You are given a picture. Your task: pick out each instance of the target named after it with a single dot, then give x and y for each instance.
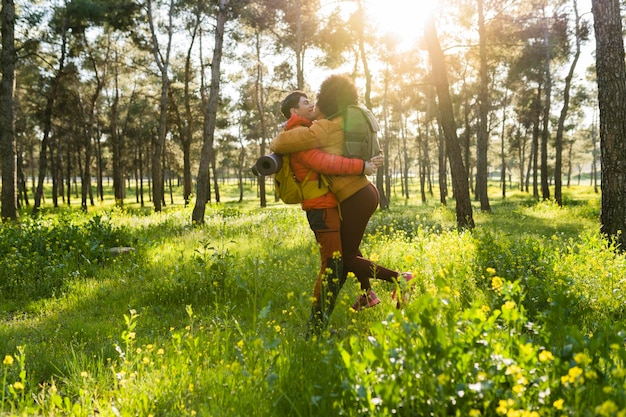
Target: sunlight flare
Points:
(402, 19)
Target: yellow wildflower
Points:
(502, 407)
(608, 408)
(8, 360)
(513, 370)
(518, 389)
(509, 305)
(574, 373)
(558, 404)
(497, 283)
(18, 385)
(582, 359)
(546, 356)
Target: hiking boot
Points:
(366, 301)
(405, 289)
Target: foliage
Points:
(38, 255)
(209, 319)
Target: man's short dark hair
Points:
(290, 102)
(336, 93)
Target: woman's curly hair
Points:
(336, 93)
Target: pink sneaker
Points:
(405, 289)
(366, 301)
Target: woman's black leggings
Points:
(355, 214)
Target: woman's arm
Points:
(321, 134)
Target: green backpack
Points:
(360, 130)
(292, 191)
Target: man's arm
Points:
(328, 163)
(331, 164)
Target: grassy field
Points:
(524, 316)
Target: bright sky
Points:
(402, 18)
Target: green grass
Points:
(524, 316)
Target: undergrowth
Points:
(524, 316)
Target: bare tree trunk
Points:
(163, 64)
(594, 155)
(464, 215)
(611, 78)
(210, 115)
(482, 142)
(47, 120)
(502, 147)
(116, 145)
(186, 135)
(7, 115)
(382, 173)
(535, 147)
(545, 132)
(260, 104)
(405, 160)
(561, 126)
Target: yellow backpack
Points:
(292, 191)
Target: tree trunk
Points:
(561, 126)
(7, 115)
(210, 115)
(464, 216)
(382, 172)
(535, 147)
(545, 132)
(162, 62)
(116, 145)
(260, 103)
(611, 78)
(47, 121)
(482, 141)
(594, 156)
(502, 147)
(186, 134)
(405, 161)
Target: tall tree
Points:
(580, 33)
(545, 132)
(61, 23)
(611, 76)
(162, 59)
(210, 115)
(482, 142)
(7, 119)
(464, 215)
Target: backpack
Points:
(360, 130)
(292, 191)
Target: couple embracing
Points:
(339, 210)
